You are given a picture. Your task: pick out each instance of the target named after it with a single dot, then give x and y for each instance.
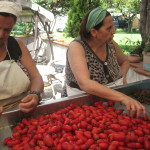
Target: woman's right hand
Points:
(134, 108)
(1, 110)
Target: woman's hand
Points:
(134, 108)
(1, 110)
(28, 103)
(124, 80)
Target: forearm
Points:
(94, 88)
(124, 68)
(37, 84)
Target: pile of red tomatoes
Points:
(98, 127)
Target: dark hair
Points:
(8, 15)
(83, 33)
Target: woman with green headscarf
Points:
(95, 62)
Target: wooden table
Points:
(139, 68)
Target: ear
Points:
(93, 32)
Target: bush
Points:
(75, 15)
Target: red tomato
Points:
(95, 136)
(48, 140)
(15, 134)
(83, 124)
(131, 145)
(81, 137)
(43, 122)
(146, 145)
(119, 111)
(115, 127)
(77, 147)
(146, 131)
(138, 132)
(83, 147)
(102, 141)
(81, 117)
(89, 142)
(74, 127)
(32, 142)
(148, 125)
(138, 145)
(87, 134)
(121, 148)
(108, 131)
(117, 136)
(112, 147)
(10, 143)
(89, 127)
(103, 146)
(96, 130)
(67, 127)
(140, 139)
(35, 148)
(17, 147)
(44, 148)
(111, 109)
(59, 147)
(40, 143)
(40, 130)
(7, 139)
(55, 129)
(115, 143)
(103, 136)
(111, 103)
(67, 146)
(79, 142)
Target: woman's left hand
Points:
(28, 103)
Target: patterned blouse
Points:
(100, 71)
(15, 53)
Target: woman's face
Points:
(106, 32)
(6, 25)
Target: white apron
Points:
(131, 76)
(14, 83)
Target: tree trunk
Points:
(145, 20)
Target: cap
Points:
(10, 7)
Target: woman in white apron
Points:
(95, 62)
(20, 82)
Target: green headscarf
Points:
(95, 17)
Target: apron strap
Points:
(7, 51)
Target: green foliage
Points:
(130, 46)
(124, 6)
(75, 15)
(22, 28)
(79, 8)
(76, 9)
(130, 43)
(133, 6)
(57, 7)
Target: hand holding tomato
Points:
(134, 108)
(28, 103)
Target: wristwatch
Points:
(38, 93)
